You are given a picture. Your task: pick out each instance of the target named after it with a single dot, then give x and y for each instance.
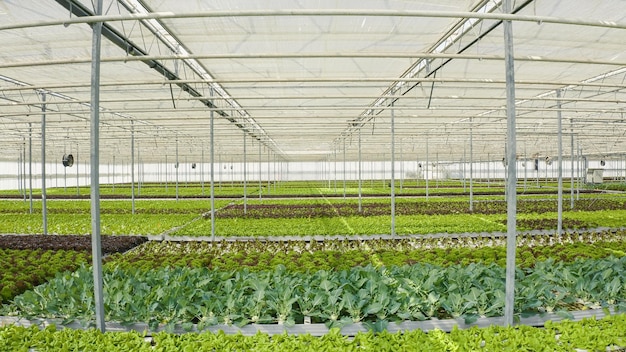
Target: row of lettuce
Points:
(371, 295)
(589, 334)
(290, 188)
(307, 217)
(27, 261)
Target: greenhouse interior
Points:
(313, 175)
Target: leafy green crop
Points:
(343, 254)
(589, 334)
(373, 295)
(23, 269)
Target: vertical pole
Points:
(360, 175)
(77, 172)
(132, 166)
(571, 153)
(19, 174)
(212, 188)
(471, 166)
(30, 166)
(44, 208)
(64, 179)
(268, 170)
(525, 166)
(177, 167)
(581, 170)
(463, 168)
(559, 223)
(166, 167)
(245, 175)
(511, 168)
(24, 170)
(344, 168)
(438, 168)
(393, 172)
(401, 167)
(335, 169)
(275, 175)
(260, 171)
(96, 244)
(139, 171)
(202, 168)
(426, 167)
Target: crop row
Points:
(589, 334)
(28, 261)
(415, 207)
(404, 225)
(80, 224)
(110, 244)
(23, 269)
(362, 294)
(344, 254)
(293, 188)
(152, 206)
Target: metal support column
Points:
(245, 174)
(344, 168)
(393, 172)
(426, 167)
(202, 167)
(212, 188)
(559, 223)
(30, 166)
(77, 171)
(511, 168)
(177, 167)
(44, 207)
(268, 170)
(471, 166)
(360, 175)
(132, 166)
(571, 124)
(96, 245)
(260, 171)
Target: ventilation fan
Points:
(68, 160)
(602, 162)
(193, 166)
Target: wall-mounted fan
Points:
(68, 160)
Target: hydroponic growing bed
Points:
(310, 281)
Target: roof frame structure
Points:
(301, 79)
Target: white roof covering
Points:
(302, 77)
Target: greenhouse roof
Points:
(302, 80)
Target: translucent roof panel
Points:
(299, 80)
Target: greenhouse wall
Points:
(60, 176)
